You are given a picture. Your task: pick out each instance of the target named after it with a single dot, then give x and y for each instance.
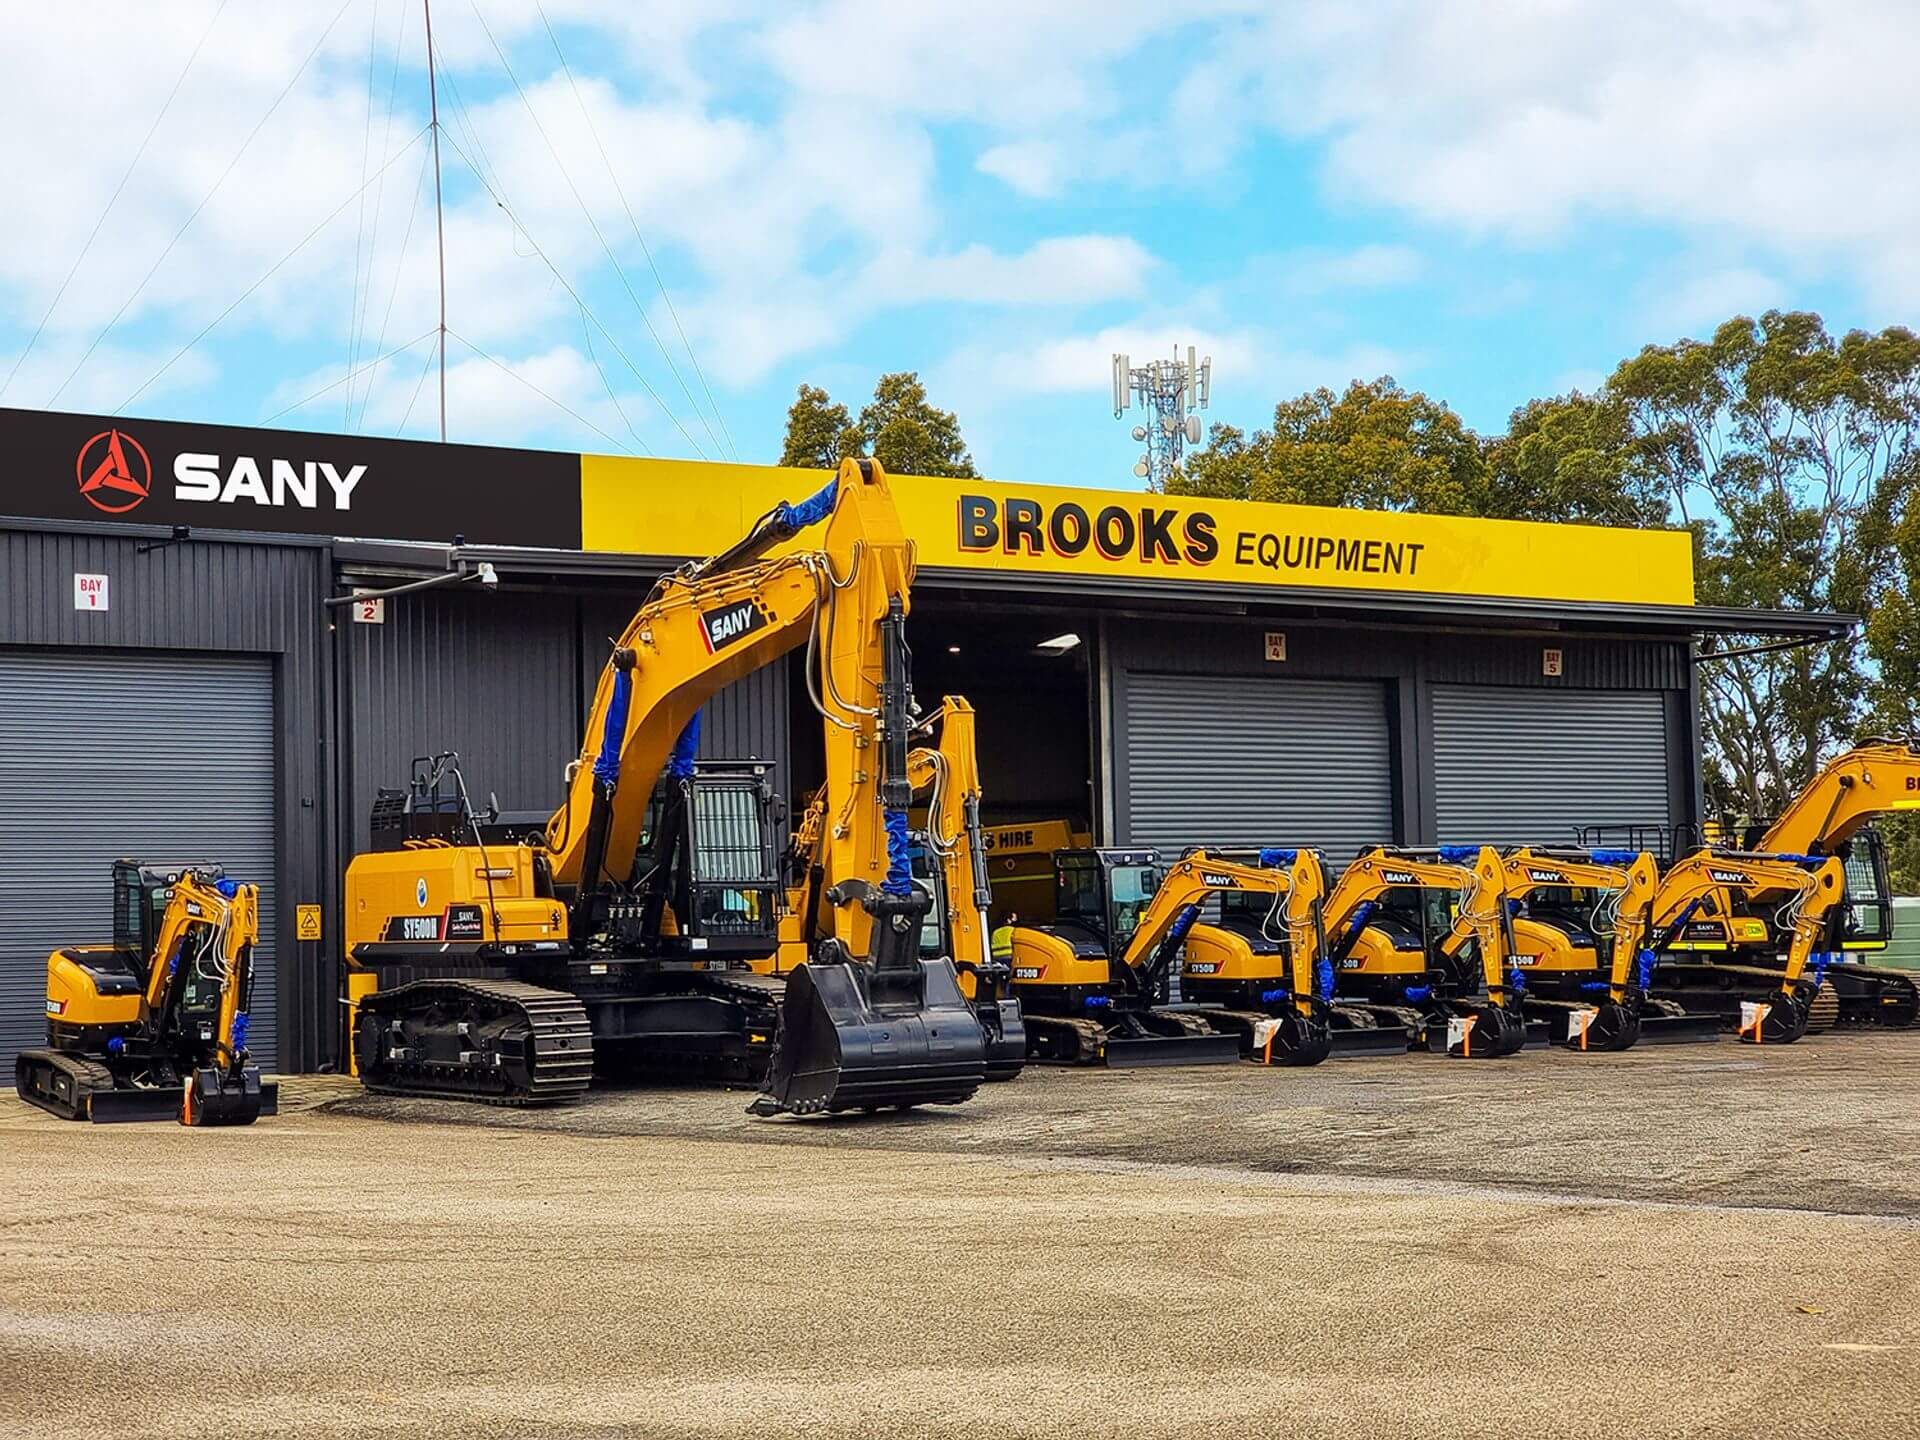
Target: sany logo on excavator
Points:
(729, 623)
(1219, 882)
(1546, 877)
(1397, 877)
(1729, 877)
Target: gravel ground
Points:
(1697, 1241)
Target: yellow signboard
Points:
(691, 508)
(307, 922)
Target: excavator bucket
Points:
(856, 1038)
(216, 1099)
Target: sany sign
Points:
(279, 482)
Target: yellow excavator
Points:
(1241, 969)
(949, 864)
(1392, 928)
(154, 1026)
(1574, 929)
(1766, 1003)
(1093, 983)
(1833, 815)
(611, 948)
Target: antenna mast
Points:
(1175, 391)
(439, 216)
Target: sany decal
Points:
(722, 627)
(115, 474)
(279, 482)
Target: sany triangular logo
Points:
(116, 463)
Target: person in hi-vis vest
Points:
(1001, 940)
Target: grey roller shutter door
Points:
(149, 755)
(1237, 761)
(1514, 766)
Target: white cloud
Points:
(1787, 123)
(1067, 270)
(1368, 267)
(1032, 167)
(1708, 296)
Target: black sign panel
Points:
(218, 477)
(731, 623)
(464, 922)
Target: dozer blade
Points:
(1685, 1029)
(143, 1103)
(1136, 1052)
(1371, 1040)
(853, 1038)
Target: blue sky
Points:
(1490, 202)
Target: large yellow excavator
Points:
(1093, 983)
(950, 864)
(1391, 927)
(1574, 929)
(609, 947)
(1768, 1003)
(154, 1026)
(1832, 815)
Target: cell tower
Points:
(1175, 391)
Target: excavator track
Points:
(1824, 1012)
(1054, 1041)
(500, 1042)
(62, 1084)
(1868, 995)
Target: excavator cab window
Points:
(735, 879)
(927, 878)
(1868, 914)
(1132, 889)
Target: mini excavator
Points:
(1769, 1004)
(611, 946)
(1574, 930)
(1388, 930)
(1832, 815)
(1093, 982)
(154, 1026)
(950, 866)
(1243, 968)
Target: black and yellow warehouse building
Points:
(1160, 671)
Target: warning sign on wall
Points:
(307, 924)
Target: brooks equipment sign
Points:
(103, 469)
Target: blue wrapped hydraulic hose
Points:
(680, 763)
(1323, 979)
(1417, 994)
(1182, 923)
(1614, 857)
(1273, 858)
(1361, 912)
(239, 1032)
(228, 888)
(606, 766)
(1644, 972)
(1459, 854)
(1516, 980)
(899, 881)
(810, 511)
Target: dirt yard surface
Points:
(1685, 1241)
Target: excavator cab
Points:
(1104, 892)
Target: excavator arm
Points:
(210, 926)
(1186, 886)
(1849, 793)
(1632, 875)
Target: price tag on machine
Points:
(1459, 1034)
(1753, 1014)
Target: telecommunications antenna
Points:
(1174, 392)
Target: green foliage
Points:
(1572, 458)
(1377, 447)
(1790, 451)
(820, 434)
(900, 428)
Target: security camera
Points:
(488, 577)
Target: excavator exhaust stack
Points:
(854, 1037)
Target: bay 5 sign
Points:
(219, 477)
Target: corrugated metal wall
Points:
(493, 676)
(1412, 667)
(1513, 766)
(1239, 761)
(218, 597)
(183, 776)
